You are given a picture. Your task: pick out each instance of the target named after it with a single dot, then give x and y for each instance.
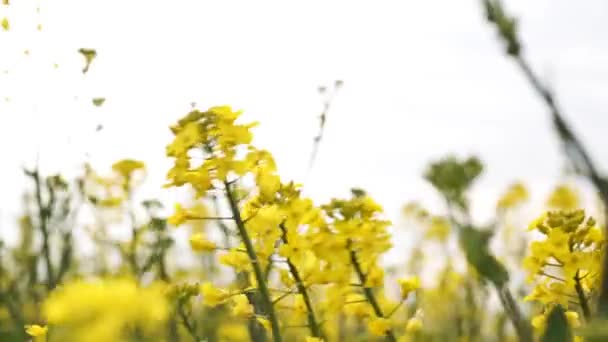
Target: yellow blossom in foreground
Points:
(213, 296)
(408, 285)
(101, 311)
(379, 326)
(199, 243)
(35, 330)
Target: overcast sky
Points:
(421, 79)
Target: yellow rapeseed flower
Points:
(213, 296)
(515, 195)
(199, 243)
(241, 308)
(126, 167)
(408, 285)
(36, 331)
(564, 197)
(100, 311)
(379, 326)
(179, 217)
(236, 259)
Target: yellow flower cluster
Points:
(322, 250)
(566, 263)
(212, 139)
(108, 310)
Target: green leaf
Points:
(89, 55)
(475, 245)
(453, 177)
(557, 329)
(99, 101)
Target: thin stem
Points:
(322, 121)
(310, 314)
(187, 324)
(43, 216)
(255, 264)
(581, 297)
(522, 327)
(369, 294)
(392, 312)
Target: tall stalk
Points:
(255, 264)
(315, 329)
(368, 293)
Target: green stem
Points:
(522, 327)
(43, 216)
(257, 270)
(581, 297)
(315, 330)
(369, 294)
(190, 328)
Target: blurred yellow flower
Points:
(35, 330)
(179, 217)
(408, 285)
(379, 326)
(99, 311)
(413, 325)
(213, 296)
(241, 308)
(564, 197)
(126, 167)
(514, 196)
(199, 243)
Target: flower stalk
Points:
(255, 264)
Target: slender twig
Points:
(187, 324)
(315, 330)
(523, 329)
(43, 217)
(583, 300)
(255, 264)
(369, 294)
(392, 312)
(322, 121)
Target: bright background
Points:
(421, 79)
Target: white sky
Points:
(422, 79)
